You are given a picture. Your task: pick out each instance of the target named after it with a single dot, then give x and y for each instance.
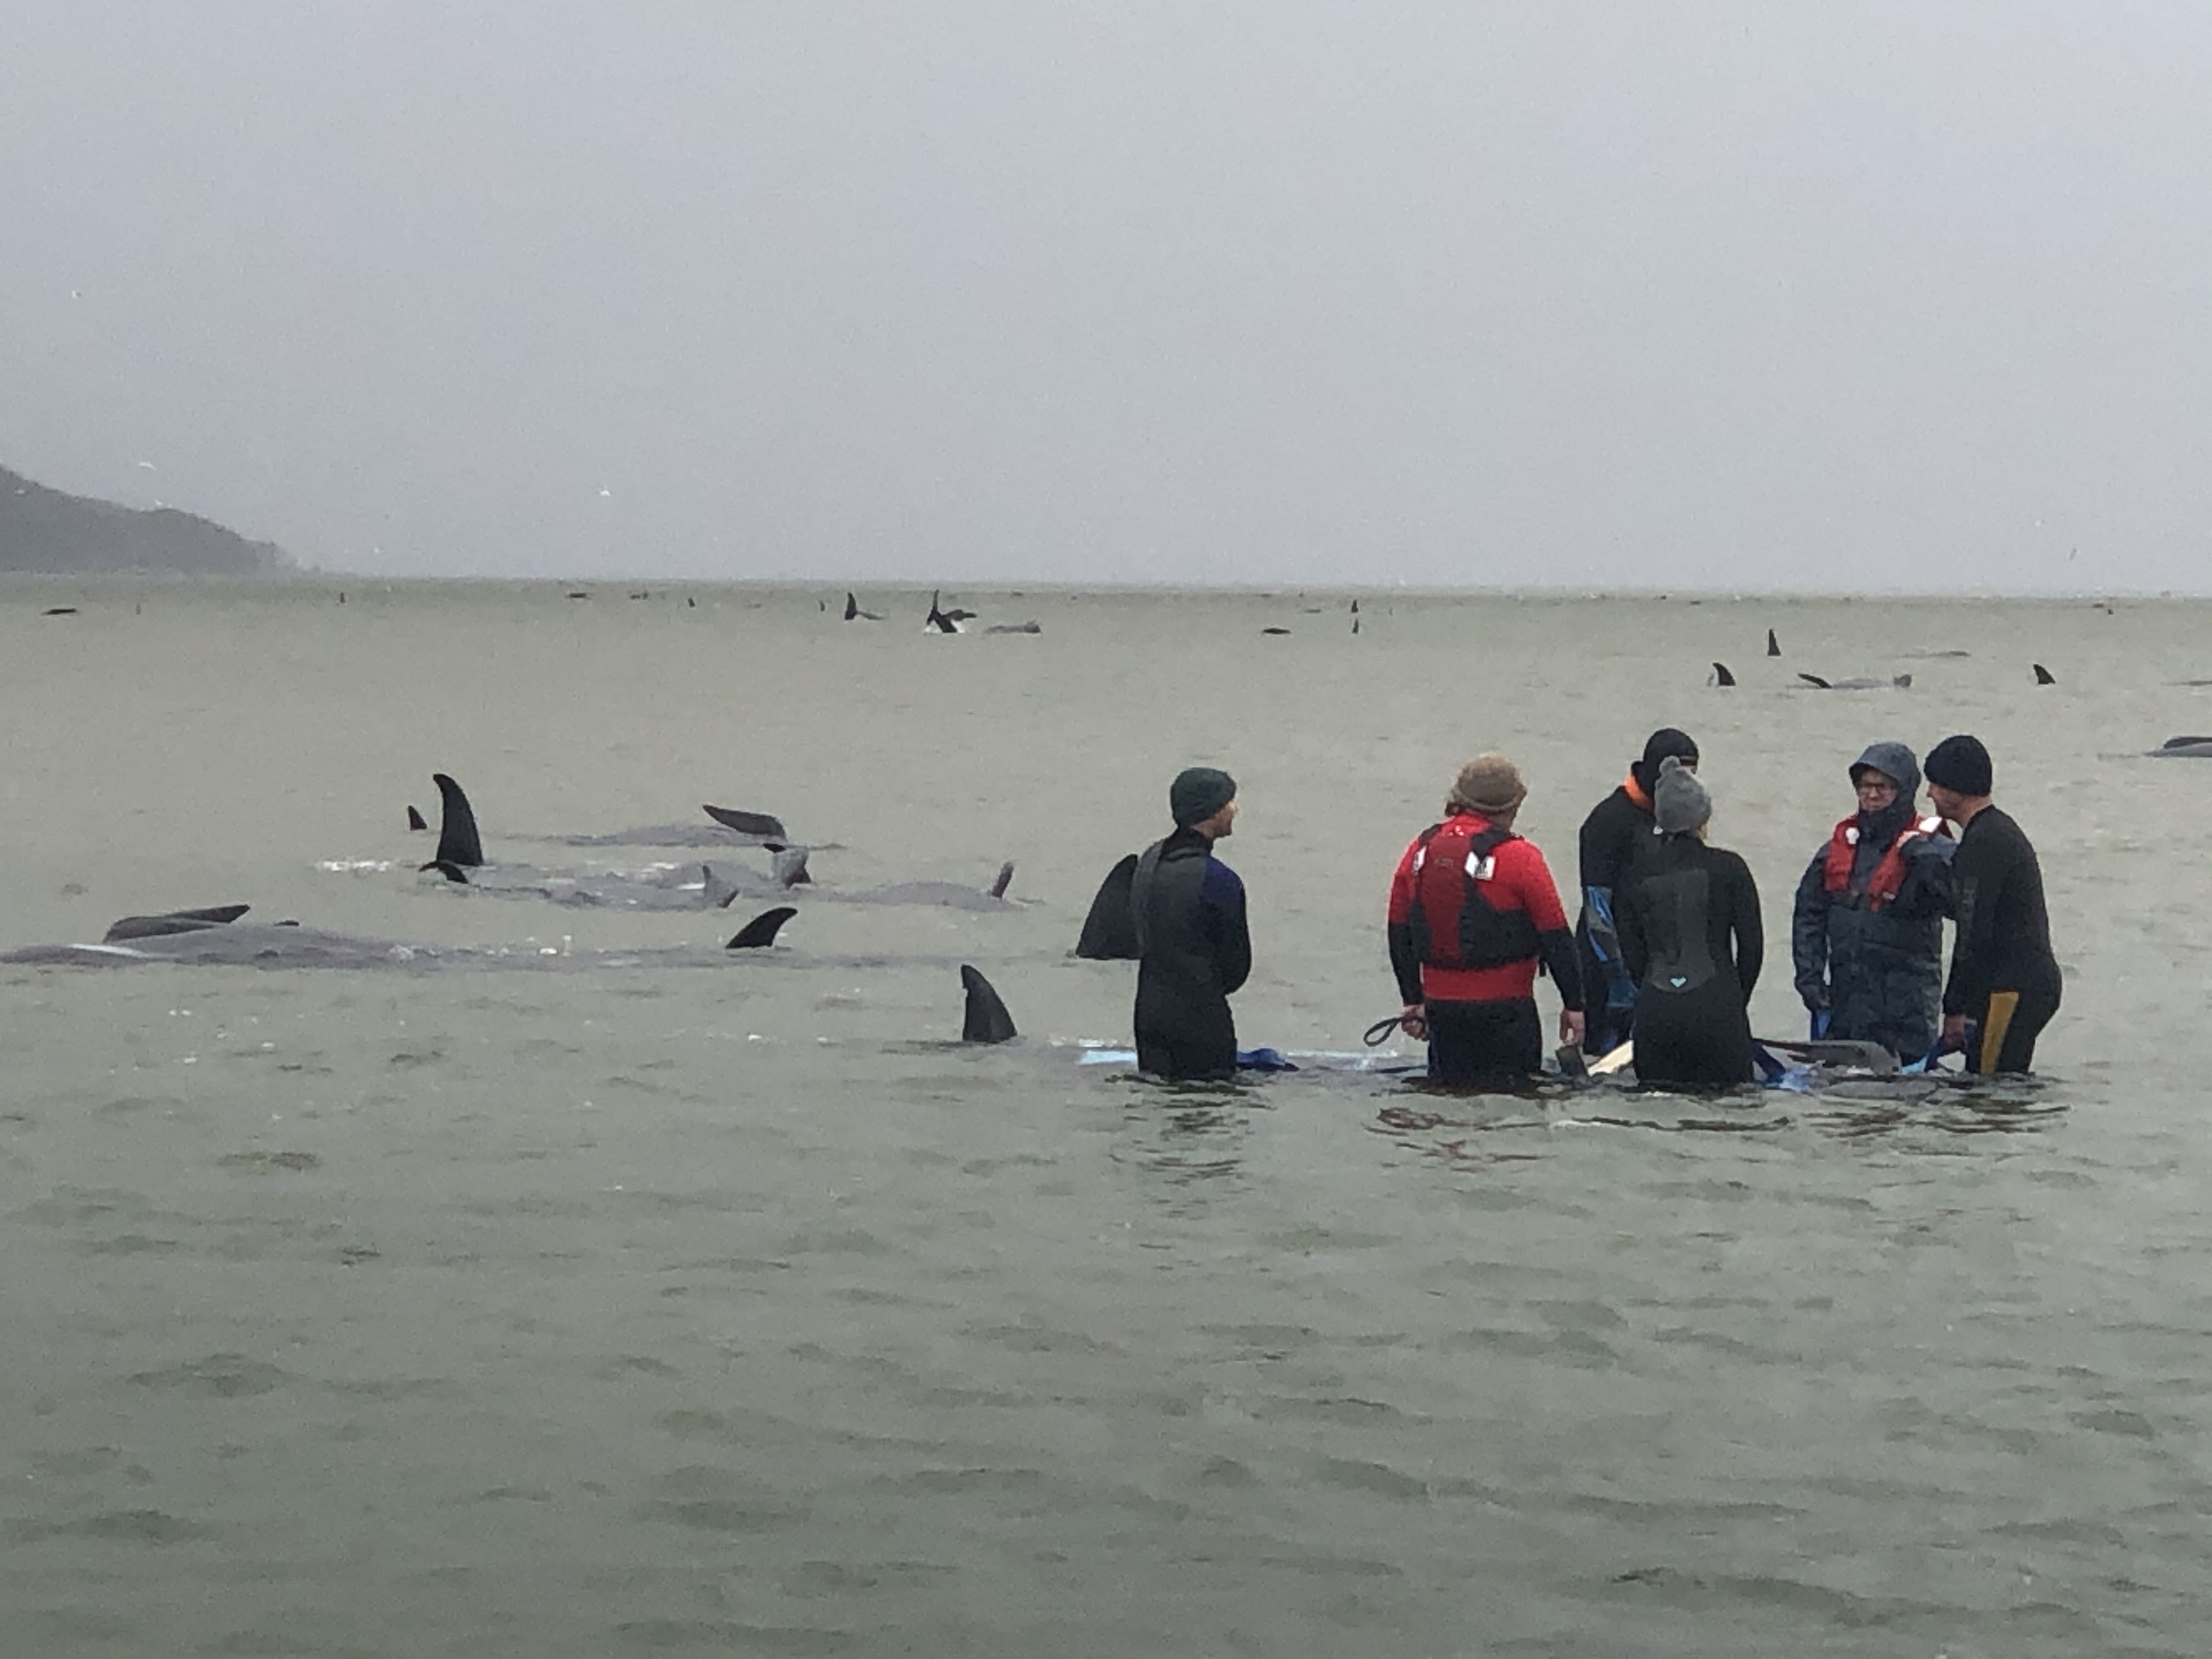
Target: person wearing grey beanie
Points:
(1691, 934)
(1193, 947)
(1866, 935)
(1615, 833)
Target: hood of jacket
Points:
(1892, 760)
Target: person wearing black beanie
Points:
(1617, 827)
(2004, 980)
(1195, 952)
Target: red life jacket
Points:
(1454, 923)
(1888, 877)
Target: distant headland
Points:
(44, 531)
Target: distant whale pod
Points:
(415, 820)
(1721, 675)
(760, 931)
(1110, 931)
(173, 921)
(2185, 748)
(763, 824)
(458, 843)
(2044, 675)
(984, 1019)
(1773, 645)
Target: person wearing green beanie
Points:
(1195, 949)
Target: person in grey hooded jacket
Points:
(1867, 933)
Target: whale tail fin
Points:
(936, 619)
(1110, 931)
(984, 1019)
(788, 865)
(760, 931)
(458, 841)
(1814, 681)
(415, 820)
(2044, 675)
(764, 824)
(1773, 645)
(1721, 675)
(715, 892)
(1005, 879)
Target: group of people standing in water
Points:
(1668, 944)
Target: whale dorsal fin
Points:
(458, 841)
(984, 1019)
(760, 931)
(415, 820)
(1773, 645)
(1721, 675)
(1109, 933)
(747, 824)
(1005, 879)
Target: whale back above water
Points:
(2186, 748)
(1895, 682)
(172, 921)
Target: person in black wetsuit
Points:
(2003, 977)
(1618, 828)
(1194, 951)
(1682, 905)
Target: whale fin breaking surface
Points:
(747, 824)
(415, 820)
(984, 1017)
(760, 931)
(458, 841)
(1109, 933)
(2044, 675)
(1721, 675)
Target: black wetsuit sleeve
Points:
(1224, 892)
(1750, 928)
(1978, 873)
(1808, 934)
(1927, 889)
(1556, 945)
(1404, 963)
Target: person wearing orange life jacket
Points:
(1473, 911)
(1867, 932)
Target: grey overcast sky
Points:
(1831, 297)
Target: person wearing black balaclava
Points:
(1617, 827)
(1195, 952)
(1867, 932)
(2004, 981)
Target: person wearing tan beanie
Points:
(1473, 911)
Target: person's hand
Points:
(1414, 1021)
(1955, 1029)
(1570, 1028)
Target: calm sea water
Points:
(735, 1308)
